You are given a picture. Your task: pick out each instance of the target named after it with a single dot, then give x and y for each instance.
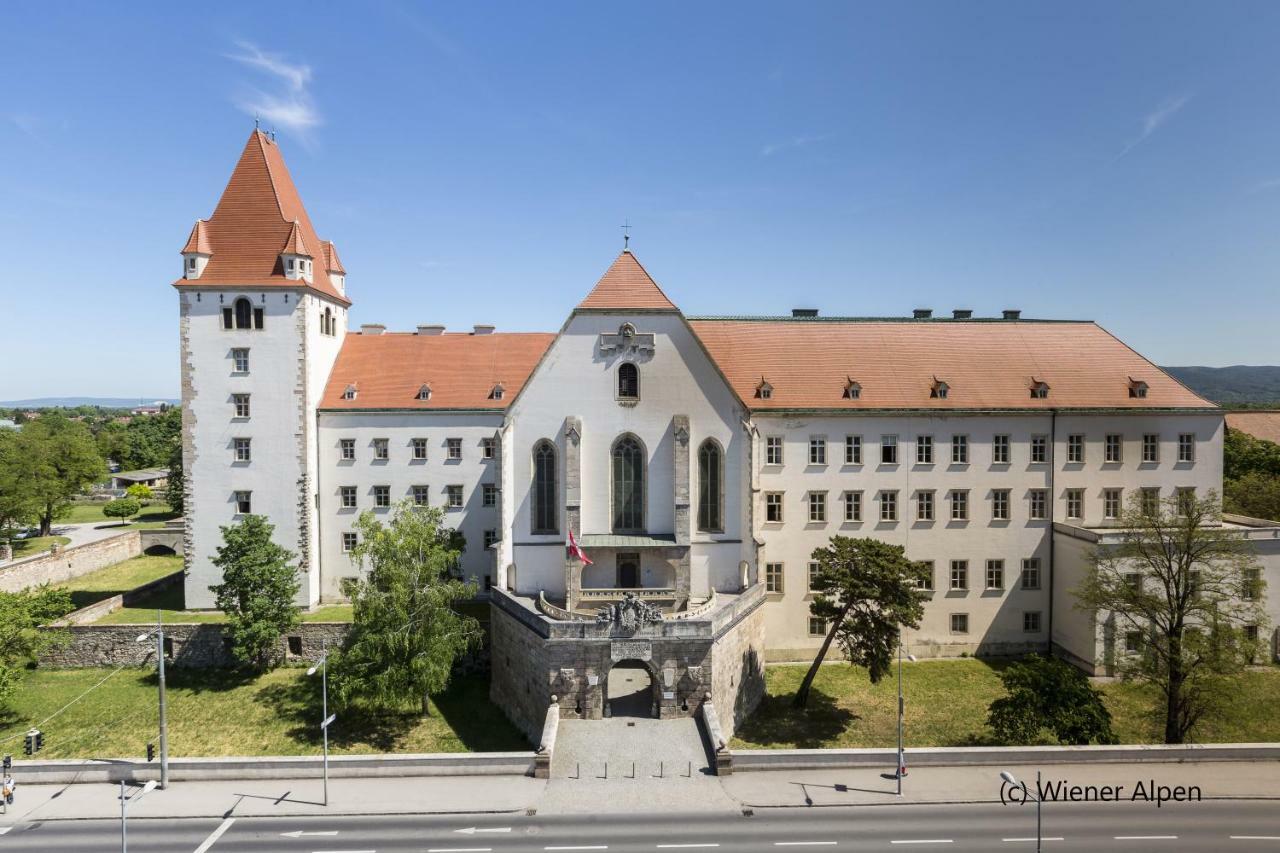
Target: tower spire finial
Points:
(626, 235)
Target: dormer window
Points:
(497, 393)
(191, 264)
(852, 390)
(1137, 389)
(764, 391)
(1039, 390)
(288, 264)
(424, 393)
(939, 389)
(349, 393)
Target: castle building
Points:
(696, 461)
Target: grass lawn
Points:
(151, 516)
(31, 547)
(947, 706)
(218, 712)
(121, 577)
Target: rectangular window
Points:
(420, 496)
(243, 453)
(241, 403)
(1075, 503)
(959, 623)
(924, 450)
(924, 506)
(818, 450)
(1000, 449)
(773, 450)
(853, 506)
(1039, 504)
(1031, 573)
(487, 448)
(490, 536)
(814, 568)
(1000, 505)
(1039, 449)
(240, 360)
(773, 577)
(348, 494)
(454, 448)
(453, 497)
(773, 507)
(380, 449)
(419, 448)
(1113, 448)
(244, 503)
(347, 449)
(888, 506)
(382, 496)
(1150, 447)
(257, 318)
(959, 505)
(1075, 448)
(228, 319)
(995, 574)
(348, 542)
(1151, 502)
(1186, 500)
(1133, 642)
(1133, 580)
(959, 450)
(959, 574)
(1031, 621)
(488, 494)
(853, 450)
(1252, 584)
(888, 450)
(1251, 634)
(817, 506)
(1187, 447)
(1111, 502)
(817, 627)
(926, 579)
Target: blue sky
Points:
(473, 163)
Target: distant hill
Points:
(105, 402)
(1237, 384)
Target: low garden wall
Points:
(92, 613)
(186, 644)
(60, 566)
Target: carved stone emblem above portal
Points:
(626, 341)
(630, 614)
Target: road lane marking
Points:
(682, 846)
(298, 833)
(1054, 838)
(215, 835)
(924, 841)
(1146, 838)
(4, 829)
(804, 844)
(1254, 837)
(459, 850)
(583, 847)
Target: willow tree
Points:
(1187, 590)
(866, 591)
(406, 633)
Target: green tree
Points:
(866, 591)
(140, 492)
(406, 634)
(1254, 494)
(55, 459)
(1188, 585)
(175, 490)
(17, 502)
(122, 508)
(21, 640)
(1243, 454)
(1047, 693)
(258, 592)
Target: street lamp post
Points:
(901, 769)
(124, 811)
(1009, 778)
(325, 718)
(164, 724)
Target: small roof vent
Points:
(804, 312)
(372, 329)
(962, 313)
(764, 391)
(1013, 314)
(480, 329)
(922, 313)
(430, 330)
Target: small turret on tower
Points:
(197, 252)
(294, 257)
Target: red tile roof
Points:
(1259, 424)
(295, 245)
(626, 284)
(331, 260)
(986, 365)
(198, 242)
(253, 221)
(462, 369)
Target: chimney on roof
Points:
(372, 329)
(430, 330)
(1012, 314)
(922, 313)
(804, 312)
(482, 329)
(962, 313)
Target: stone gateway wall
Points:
(196, 645)
(70, 563)
(737, 670)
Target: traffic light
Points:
(8, 763)
(151, 752)
(39, 740)
(29, 743)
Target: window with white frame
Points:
(1000, 504)
(888, 450)
(382, 496)
(925, 581)
(1187, 447)
(1038, 504)
(419, 448)
(242, 449)
(1251, 585)
(995, 574)
(1150, 501)
(773, 577)
(381, 450)
(1075, 503)
(959, 450)
(817, 450)
(1031, 573)
(421, 495)
(959, 574)
(1000, 449)
(349, 541)
(487, 448)
(959, 623)
(453, 448)
(1132, 642)
(814, 568)
(853, 450)
(348, 496)
(453, 496)
(241, 404)
(773, 507)
(852, 506)
(244, 502)
(488, 494)
(1039, 449)
(1150, 447)
(1186, 499)
(1075, 448)
(1111, 503)
(346, 449)
(817, 506)
(1031, 621)
(959, 504)
(773, 450)
(240, 360)
(924, 450)
(1113, 448)
(889, 506)
(490, 537)
(924, 505)
(817, 627)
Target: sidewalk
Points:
(257, 798)
(863, 786)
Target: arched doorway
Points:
(631, 691)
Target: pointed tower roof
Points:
(626, 284)
(198, 242)
(295, 245)
(332, 262)
(260, 211)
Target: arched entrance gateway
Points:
(631, 690)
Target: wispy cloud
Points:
(1265, 186)
(792, 143)
(290, 107)
(1156, 119)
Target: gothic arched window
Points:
(628, 381)
(628, 485)
(710, 487)
(545, 517)
(244, 314)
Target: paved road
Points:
(1219, 826)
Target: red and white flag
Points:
(575, 550)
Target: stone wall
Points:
(737, 669)
(70, 563)
(194, 645)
